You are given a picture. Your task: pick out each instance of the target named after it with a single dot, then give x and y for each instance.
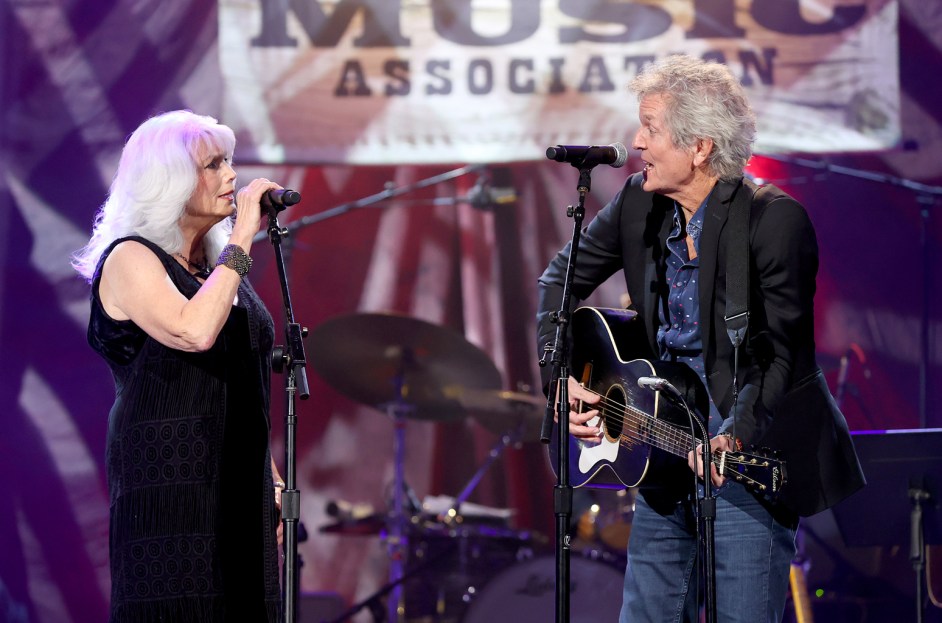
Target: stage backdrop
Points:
(77, 77)
(396, 81)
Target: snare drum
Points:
(525, 593)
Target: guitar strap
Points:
(737, 278)
(737, 258)
(737, 265)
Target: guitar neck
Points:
(761, 473)
(669, 438)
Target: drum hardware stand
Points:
(510, 438)
(559, 379)
(290, 359)
(374, 602)
(397, 540)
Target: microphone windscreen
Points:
(621, 155)
(290, 197)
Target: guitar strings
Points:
(672, 439)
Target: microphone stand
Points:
(376, 198)
(706, 508)
(562, 493)
(917, 543)
(292, 359)
(289, 358)
(707, 519)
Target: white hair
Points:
(704, 100)
(157, 174)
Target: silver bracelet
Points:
(234, 257)
(278, 484)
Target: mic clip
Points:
(483, 196)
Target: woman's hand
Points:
(279, 531)
(248, 211)
(279, 484)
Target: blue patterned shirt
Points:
(678, 336)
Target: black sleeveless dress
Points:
(192, 511)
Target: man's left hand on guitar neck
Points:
(720, 443)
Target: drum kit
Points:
(458, 562)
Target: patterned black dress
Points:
(192, 512)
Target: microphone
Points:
(652, 382)
(277, 199)
(659, 384)
(587, 156)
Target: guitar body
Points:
(623, 456)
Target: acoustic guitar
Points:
(637, 424)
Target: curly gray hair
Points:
(704, 100)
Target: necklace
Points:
(202, 270)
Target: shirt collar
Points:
(695, 224)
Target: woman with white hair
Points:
(194, 517)
(668, 230)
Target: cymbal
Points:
(506, 412)
(367, 356)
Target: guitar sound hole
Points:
(613, 412)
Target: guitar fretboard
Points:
(658, 434)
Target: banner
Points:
(448, 81)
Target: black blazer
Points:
(783, 395)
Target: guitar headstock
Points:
(759, 470)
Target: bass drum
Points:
(526, 593)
